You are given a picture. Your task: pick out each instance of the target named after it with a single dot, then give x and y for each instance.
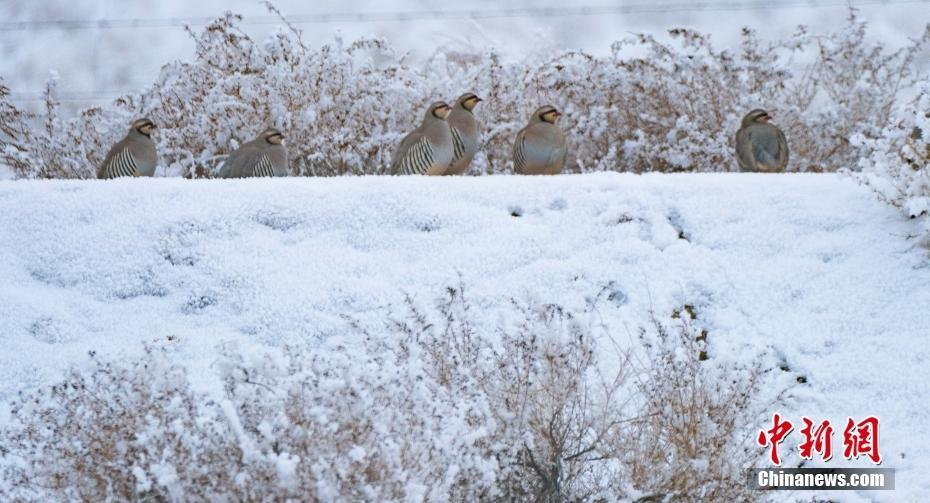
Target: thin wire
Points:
(404, 16)
(76, 96)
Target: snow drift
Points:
(808, 268)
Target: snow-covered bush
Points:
(651, 105)
(897, 162)
(61, 147)
(126, 430)
(13, 129)
(690, 441)
(419, 407)
(680, 105)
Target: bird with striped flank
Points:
(540, 147)
(134, 155)
(464, 129)
(428, 149)
(760, 145)
(265, 156)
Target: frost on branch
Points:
(896, 164)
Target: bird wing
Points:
(102, 169)
(519, 151)
(560, 153)
(539, 146)
(782, 150)
(416, 159)
(241, 163)
(115, 150)
(263, 167)
(119, 163)
(768, 146)
(402, 149)
(458, 145)
(744, 155)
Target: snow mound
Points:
(811, 266)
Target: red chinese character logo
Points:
(819, 439)
(775, 436)
(861, 439)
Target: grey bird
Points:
(134, 155)
(264, 156)
(427, 150)
(540, 147)
(760, 145)
(464, 129)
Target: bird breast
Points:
(544, 143)
(440, 139)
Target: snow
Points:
(812, 266)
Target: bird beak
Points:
(478, 99)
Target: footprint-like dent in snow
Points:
(558, 204)
(141, 284)
(625, 219)
(828, 257)
(48, 330)
(177, 241)
(428, 224)
(674, 218)
(197, 303)
(610, 292)
(277, 220)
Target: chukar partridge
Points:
(760, 145)
(263, 156)
(464, 129)
(427, 150)
(540, 147)
(134, 155)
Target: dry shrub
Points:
(691, 444)
(13, 130)
(50, 146)
(553, 410)
(121, 431)
(421, 407)
(651, 105)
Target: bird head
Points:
(757, 116)
(547, 113)
(272, 136)
(143, 126)
(468, 101)
(439, 110)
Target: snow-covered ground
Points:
(812, 266)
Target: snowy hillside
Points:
(809, 267)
